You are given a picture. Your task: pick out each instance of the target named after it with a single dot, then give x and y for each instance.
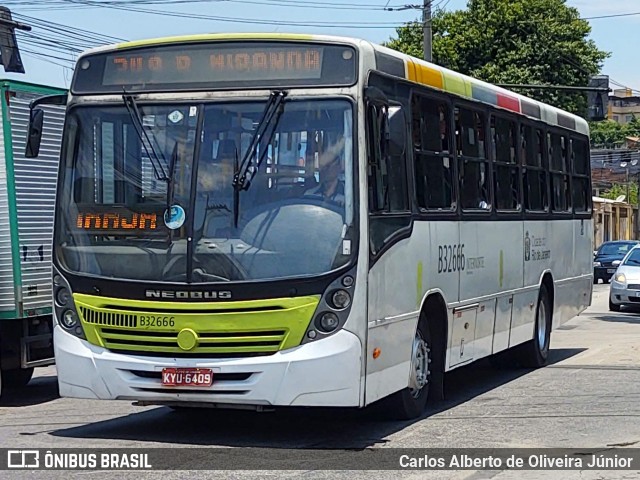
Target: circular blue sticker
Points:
(174, 217)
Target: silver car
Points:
(625, 283)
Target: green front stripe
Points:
(256, 326)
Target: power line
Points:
(254, 21)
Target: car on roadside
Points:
(608, 256)
(625, 284)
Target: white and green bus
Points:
(293, 220)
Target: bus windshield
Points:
(121, 216)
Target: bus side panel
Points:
(573, 292)
(7, 294)
(35, 180)
(492, 264)
(392, 321)
(398, 283)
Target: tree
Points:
(516, 42)
(606, 134)
(630, 191)
(609, 134)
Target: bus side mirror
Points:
(34, 139)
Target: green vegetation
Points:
(513, 42)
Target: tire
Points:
(17, 378)
(410, 403)
(595, 280)
(535, 353)
(613, 307)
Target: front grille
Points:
(112, 319)
(205, 330)
(194, 354)
(634, 299)
(633, 286)
(208, 342)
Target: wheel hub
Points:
(419, 365)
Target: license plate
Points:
(611, 270)
(190, 377)
(637, 294)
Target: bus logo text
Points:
(209, 295)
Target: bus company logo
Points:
(23, 459)
(192, 295)
(527, 247)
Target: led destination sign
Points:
(119, 221)
(217, 65)
(200, 65)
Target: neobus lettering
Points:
(188, 295)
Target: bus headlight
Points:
(66, 314)
(63, 296)
(69, 319)
(341, 299)
(334, 308)
(328, 322)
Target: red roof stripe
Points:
(508, 102)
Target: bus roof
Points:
(415, 70)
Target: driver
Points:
(331, 187)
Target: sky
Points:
(356, 18)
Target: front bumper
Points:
(621, 295)
(604, 272)
(322, 373)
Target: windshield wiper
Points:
(154, 158)
(263, 135)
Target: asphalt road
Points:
(588, 397)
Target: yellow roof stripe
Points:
(431, 76)
(411, 70)
(213, 37)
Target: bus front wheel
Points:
(410, 403)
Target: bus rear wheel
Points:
(535, 352)
(410, 403)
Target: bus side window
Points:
(473, 160)
(560, 172)
(581, 165)
(506, 167)
(388, 200)
(433, 162)
(387, 171)
(536, 198)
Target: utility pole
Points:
(9, 52)
(426, 30)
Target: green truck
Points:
(27, 204)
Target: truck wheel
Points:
(535, 352)
(17, 378)
(410, 403)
